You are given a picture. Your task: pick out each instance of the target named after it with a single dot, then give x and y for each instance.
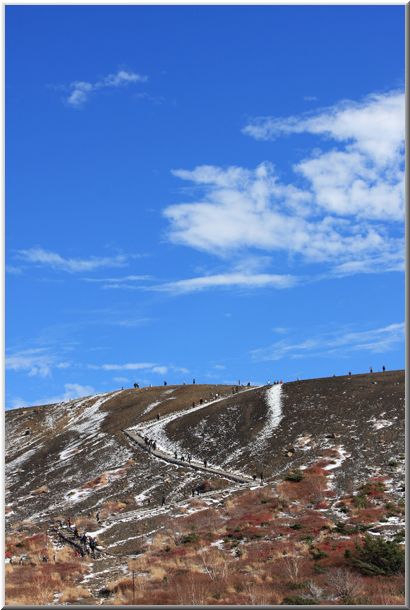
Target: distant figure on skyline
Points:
(136, 386)
(383, 368)
(371, 370)
(165, 383)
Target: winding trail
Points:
(155, 428)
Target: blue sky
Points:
(201, 192)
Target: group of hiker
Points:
(182, 457)
(150, 443)
(85, 543)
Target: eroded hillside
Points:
(125, 466)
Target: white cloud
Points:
(35, 362)
(39, 256)
(81, 90)
(344, 207)
(339, 343)
(121, 379)
(71, 391)
(160, 370)
(364, 174)
(228, 280)
(117, 280)
(241, 209)
(129, 366)
(149, 367)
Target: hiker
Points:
(261, 476)
(249, 384)
(136, 386)
(165, 383)
(162, 500)
(350, 373)
(200, 401)
(83, 539)
(254, 477)
(193, 382)
(371, 370)
(182, 458)
(383, 368)
(175, 455)
(97, 516)
(69, 522)
(157, 416)
(189, 457)
(193, 403)
(193, 492)
(154, 445)
(75, 532)
(205, 463)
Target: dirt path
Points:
(136, 434)
(167, 457)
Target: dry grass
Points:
(74, 594)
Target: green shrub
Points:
(192, 537)
(296, 526)
(360, 501)
(297, 600)
(378, 556)
(317, 554)
(294, 475)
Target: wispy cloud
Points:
(53, 260)
(228, 280)
(148, 367)
(336, 343)
(80, 91)
(128, 366)
(34, 361)
(71, 391)
(117, 280)
(13, 270)
(344, 207)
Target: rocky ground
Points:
(315, 444)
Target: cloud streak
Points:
(53, 260)
(80, 91)
(338, 343)
(228, 280)
(37, 362)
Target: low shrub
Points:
(378, 556)
(191, 537)
(294, 475)
(297, 600)
(360, 501)
(317, 554)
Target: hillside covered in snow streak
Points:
(123, 465)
